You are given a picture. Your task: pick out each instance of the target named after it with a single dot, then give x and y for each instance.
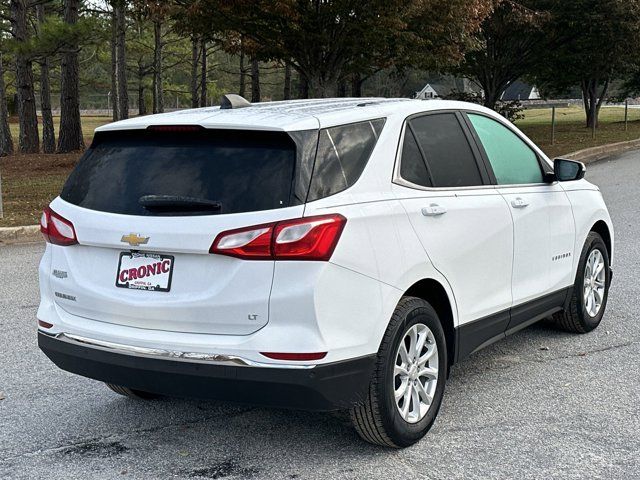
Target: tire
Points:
(576, 318)
(131, 393)
(378, 419)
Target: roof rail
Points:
(232, 101)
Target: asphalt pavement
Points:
(541, 404)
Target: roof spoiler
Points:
(232, 101)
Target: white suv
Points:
(315, 254)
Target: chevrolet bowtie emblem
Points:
(134, 239)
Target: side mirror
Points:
(568, 170)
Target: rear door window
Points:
(449, 157)
(238, 170)
(343, 152)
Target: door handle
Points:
(519, 202)
(433, 210)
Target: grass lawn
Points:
(29, 182)
(89, 124)
(571, 133)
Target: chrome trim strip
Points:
(192, 357)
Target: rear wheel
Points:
(591, 289)
(131, 393)
(407, 386)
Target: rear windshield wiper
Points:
(178, 203)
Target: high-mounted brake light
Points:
(175, 128)
(309, 238)
(56, 229)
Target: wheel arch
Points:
(602, 229)
(435, 293)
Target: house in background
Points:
(443, 86)
(426, 93)
(520, 91)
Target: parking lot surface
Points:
(540, 404)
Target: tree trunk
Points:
(491, 97)
(243, 76)
(322, 87)
(29, 140)
(6, 140)
(356, 85)
(194, 72)
(287, 82)
(48, 134)
(158, 90)
(255, 80)
(593, 99)
(121, 59)
(342, 88)
(114, 66)
(70, 137)
(142, 106)
(203, 73)
(303, 86)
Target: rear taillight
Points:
(56, 229)
(310, 238)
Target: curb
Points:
(31, 233)
(594, 154)
(25, 234)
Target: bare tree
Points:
(6, 140)
(29, 140)
(48, 133)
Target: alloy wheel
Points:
(594, 282)
(415, 374)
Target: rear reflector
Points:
(294, 356)
(56, 229)
(44, 324)
(309, 238)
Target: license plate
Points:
(145, 271)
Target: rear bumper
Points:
(332, 386)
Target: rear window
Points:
(237, 171)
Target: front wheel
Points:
(591, 289)
(408, 383)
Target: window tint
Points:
(449, 157)
(244, 171)
(343, 152)
(512, 160)
(412, 167)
